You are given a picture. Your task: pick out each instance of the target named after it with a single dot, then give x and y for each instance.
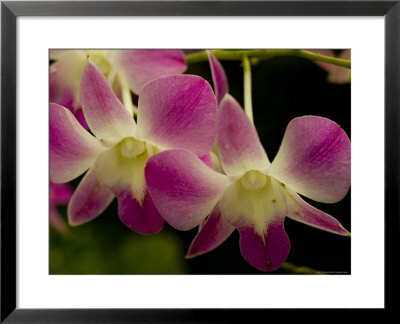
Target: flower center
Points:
(254, 180)
(131, 148)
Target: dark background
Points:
(283, 88)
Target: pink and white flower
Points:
(214, 230)
(125, 69)
(59, 195)
(336, 74)
(175, 112)
(254, 195)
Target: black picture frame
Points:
(10, 10)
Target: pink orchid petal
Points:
(239, 146)
(104, 113)
(143, 218)
(137, 67)
(56, 221)
(89, 200)
(80, 117)
(65, 97)
(72, 149)
(219, 77)
(265, 253)
(184, 189)
(337, 74)
(60, 193)
(178, 112)
(58, 93)
(207, 160)
(68, 70)
(341, 75)
(345, 54)
(314, 159)
(212, 233)
(331, 68)
(302, 212)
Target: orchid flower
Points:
(60, 94)
(130, 69)
(175, 112)
(336, 74)
(59, 194)
(214, 230)
(254, 195)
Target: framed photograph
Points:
(163, 159)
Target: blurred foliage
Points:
(283, 88)
(105, 246)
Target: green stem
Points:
(127, 100)
(248, 106)
(296, 269)
(237, 55)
